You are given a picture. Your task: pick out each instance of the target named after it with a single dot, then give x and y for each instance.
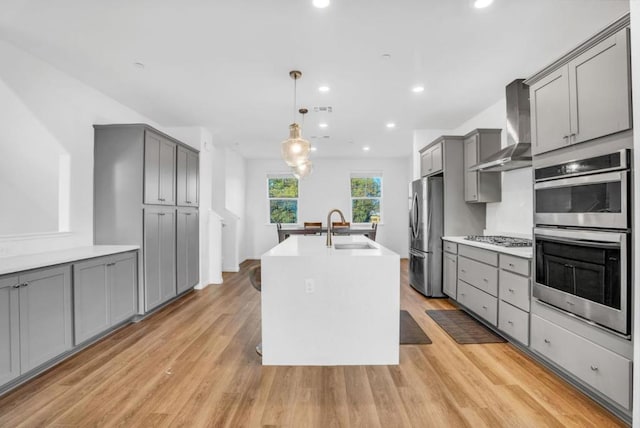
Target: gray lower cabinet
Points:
(9, 329)
(450, 275)
(187, 237)
(159, 255)
(45, 315)
(104, 294)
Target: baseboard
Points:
(231, 269)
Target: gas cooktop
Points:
(504, 241)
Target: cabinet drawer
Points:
(478, 274)
(450, 247)
(485, 256)
(481, 303)
(515, 290)
(604, 370)
(515, 264)
(514, 322)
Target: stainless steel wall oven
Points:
(582, 238)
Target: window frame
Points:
(277, 175)
(367, 174)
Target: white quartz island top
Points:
(326, 306)
(13, 264)
(524, 252)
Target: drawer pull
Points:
(189, 202)
(511, 290)
(463, 271)
(570, 303)
(161, 199)
(162, 214)
(17, 286)
(452, 261)
(594, 368)
(510, 322)
(462, 294)
(24, 284)
(485, 279)
(111, 264)
(512, 265)
(547, 341)
(484, 307)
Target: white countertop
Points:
(13, 264)
(524, 252)
(314, 245)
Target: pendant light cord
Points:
(295, 81)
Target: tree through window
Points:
(283, 199)
(366, 198)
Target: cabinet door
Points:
(450, 279)
(436, 158)
(425, 163)
(9, 329)
(182, 176)
(159, 256)
(45, 316)
(90, 297)
(187, 249)
(470, 177)
(123, 287)
(550, 120)
(601, 90)
(193, 180)
(159, 170)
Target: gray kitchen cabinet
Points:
(431, 161)
(104, 294)
(583, 96)
(159, 170)
(450, 275)
(482, 304)
(159, 255)
(45, 315)
(481, 186)
(128, 185)
(9, 329)
(187, 237)
(483, 277)
(187, 177)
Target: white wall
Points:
(327, 188)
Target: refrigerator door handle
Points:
(417, 255)
(415, 216)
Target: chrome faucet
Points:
(329, 228)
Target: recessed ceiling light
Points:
(386, 56)
(139, 65)
(391, 125)
(366, 148)
(481, 4)
(417, 89)
(323, 125)
(323, 89)
(321, 4)
(313, 149)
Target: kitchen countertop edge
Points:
(523, 252)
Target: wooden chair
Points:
(313, 228)
(372, 233)
(340, 228)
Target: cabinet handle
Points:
(463, 271)
(462, 294)
(570, 303)
(547, 341)
(484, 307)
(511, 290)
(17, 286)
(161, 199)
(187, 213)
(485, 279)
(24, 284)
(512, 265)
(594, 368)
(452, 261)
(572, 135)
(162, 213)
(189, 202)
(565, 137)
(111, 264)
(510, 322)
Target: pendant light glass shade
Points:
(302, 170)
(295, 149)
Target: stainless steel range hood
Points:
(518, 153)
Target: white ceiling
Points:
(224, 64)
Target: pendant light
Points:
(304, 168)
(295, 149)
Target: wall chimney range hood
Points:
(518, 152)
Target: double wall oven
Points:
(583, 238)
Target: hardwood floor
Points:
(194, 364)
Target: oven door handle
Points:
(609, 177)
(579, 236)
(583, 242)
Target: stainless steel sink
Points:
(354, 246)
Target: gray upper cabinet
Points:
(584, 96)
(159, 170)
(481, 186)
(9, 329)
(431, 159)
(159, 255)
(45, 315)
(188, 265)
(104, 293)
(187, 177)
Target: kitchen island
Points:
(327, 306)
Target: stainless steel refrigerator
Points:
(426, 218)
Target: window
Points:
(283, 199)
(366, 198)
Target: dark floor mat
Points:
(410, 331)
(463, 328)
